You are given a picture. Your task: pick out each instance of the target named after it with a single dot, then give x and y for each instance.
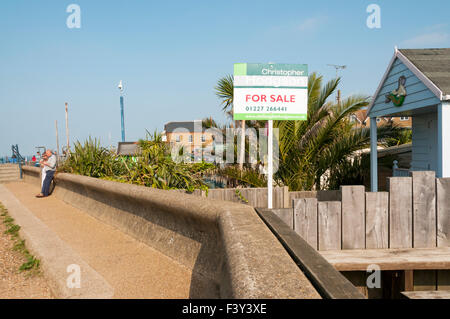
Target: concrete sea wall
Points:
(230, 250)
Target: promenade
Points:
(113, 265)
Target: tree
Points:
(312, 151)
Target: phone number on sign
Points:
(266, 109)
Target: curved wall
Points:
(230, 250)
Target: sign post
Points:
(270, 92)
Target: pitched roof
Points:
(172, 126)
(433, 63)
(128, 148)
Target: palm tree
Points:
(224, 90)
(311, 150)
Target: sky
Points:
(170, 55)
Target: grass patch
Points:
(32, 264)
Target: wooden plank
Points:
(329, 225)
(329, 282)
(286, 215)
(377, 220)
(408, 277)
(305, 219)
(400, 212)
(353, 217)
(286, 202)
(443, 211)
(390, 259)
(424, 209)
(427, 294)
(424, 223)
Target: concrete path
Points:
(112, 263)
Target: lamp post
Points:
(120, 86)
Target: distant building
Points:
(361, 120)
(190, 135)
(128, 148)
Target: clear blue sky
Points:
(171, 53)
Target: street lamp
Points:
(120, 86)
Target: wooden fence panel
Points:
(443, 211)
(286, 215)
(424, 223)
(400, 212)
(377, 220)
(353, 217)
(305, 219)
(443, 226)
(424, 209)
(329, 225)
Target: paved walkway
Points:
(129, 268)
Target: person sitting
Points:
(49, 168)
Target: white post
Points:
(373, 155)
(443, 159)
(57, 141)
(67, 126)
(270, 164)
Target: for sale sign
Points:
(270, 91)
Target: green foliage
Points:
(401, 136)
(19, 244)
(224, 91)
(153, 166)
(247, 177)
(91, 159)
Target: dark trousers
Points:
(47, 180)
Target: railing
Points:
(399, 172)
(19, 158)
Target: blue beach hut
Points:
(416, 84)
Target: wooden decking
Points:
(427, 294)
(389, 259)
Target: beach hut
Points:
(416, 84)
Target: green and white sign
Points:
(270, 91)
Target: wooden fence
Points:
(415, 213)
(257, 197)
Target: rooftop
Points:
(433, 63)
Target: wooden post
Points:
(329, 225)
(57, 142)
(377, 220)
(400, 207)
(67, 127)
(305, 219)
(424, 209)
(353, 217)
(443, 226)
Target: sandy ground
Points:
(13, 283)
